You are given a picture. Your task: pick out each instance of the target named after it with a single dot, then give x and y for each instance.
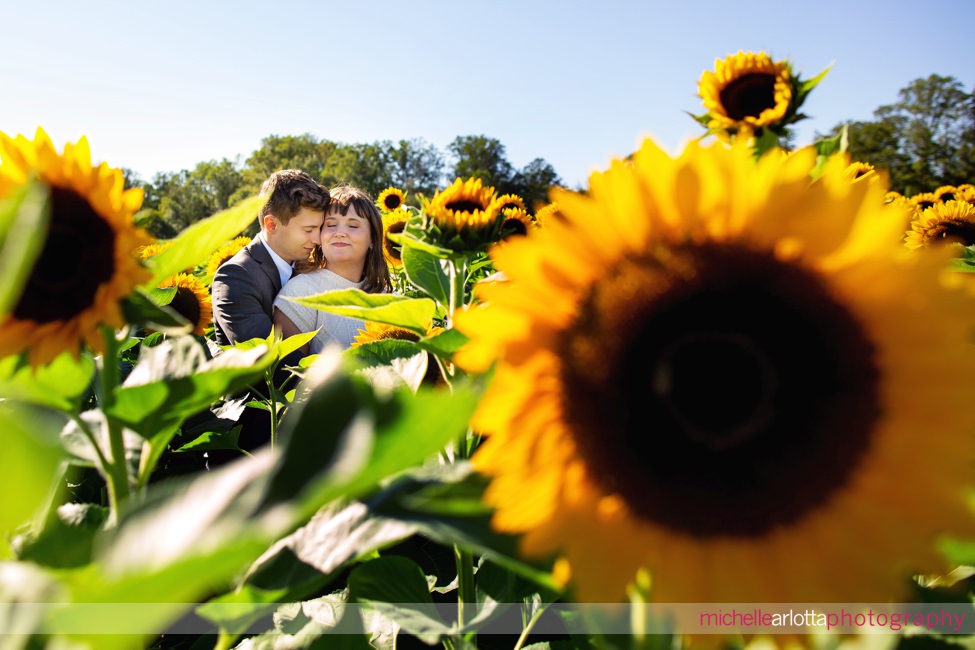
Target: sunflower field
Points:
(720, 398)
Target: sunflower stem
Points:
(528, 628)
(273, 403)
(117, 474)
(465, 583)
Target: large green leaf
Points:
(304, 562)
(67, 539)
(444, 344)
(24, 220)
(28, 464)
(428, 272)
(396, 587)
(365, 437)
(172, 382)
(391, 361)
(197, 242)
(60, 385)
(415, 314)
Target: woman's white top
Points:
(334, 328)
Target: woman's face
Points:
(346, 238)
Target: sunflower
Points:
(394, 222)
(373, 332)
(547, 214)
(711, 370)
(88, 263)
(952, 221)
(748, 91)
(515, 223)
(391, 199)
(858, 171)
(946, 193)
(463, 217)
(224, 253)
(892, 196)
(191, 301)
(153, 249)
(508, 201)
(966, 193)
(923, 201)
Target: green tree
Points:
(305, 152)
(364, 165)
(924, 140)
(415, 166)
(533, 182)
(479, 156)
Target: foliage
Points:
(924, 140)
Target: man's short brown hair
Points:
(287, 192)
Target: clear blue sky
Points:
(162, 85)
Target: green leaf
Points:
(306, 561)
(24, 221)
(390, 361)
(343, 438)
(396, 587)
(197, 242)
(29, 463)
(408, 240)
(213, 440)
(162, 296)
(446, 503)
(415, 314)
(59, 385)
(292, 343)
(67, 540)
(141, 310)
(809, 84)
(444, 344)
(428, 272)
(169, 384)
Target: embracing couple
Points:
(312, 240)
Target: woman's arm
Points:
(288, 328)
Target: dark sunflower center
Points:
(958, 231)
(78, 256)
(464, 205)
(187, 304)
(749, 95)
(947, 196)
(392, 248)
(924, 205)
(392, 202)
(718, 390)
(514, 227)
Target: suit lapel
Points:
(262, 257)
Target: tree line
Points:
(174, 200)
(924, 140)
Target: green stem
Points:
(528, 628)
(457, 276)
(117, 474)
(465, 583)
(273, 403)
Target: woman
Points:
(350, 257)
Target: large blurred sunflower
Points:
(747, 90)
(192, 301)
(723, 372)
(394, 223)
(224, 253)
(89, 260)
(391, 199)
(462, 217)
(953, 221)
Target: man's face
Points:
(295, 240)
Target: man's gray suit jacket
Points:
(243, 293)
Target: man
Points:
(244, 287)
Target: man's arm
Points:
(237, 306)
